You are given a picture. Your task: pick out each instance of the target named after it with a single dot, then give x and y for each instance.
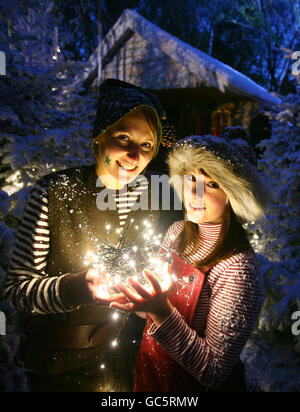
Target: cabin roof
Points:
(207, 70)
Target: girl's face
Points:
(126, 151)
(204, 200)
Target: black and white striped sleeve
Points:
(27, 287)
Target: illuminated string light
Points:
(129, 259)
(118, 262)
(115, 316)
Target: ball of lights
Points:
(128, 258)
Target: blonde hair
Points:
(148, 113)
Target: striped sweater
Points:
(125, 199)
(28, 287)
(226, 313)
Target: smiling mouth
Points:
(128, 167)
(196, 209)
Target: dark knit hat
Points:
(117, 98)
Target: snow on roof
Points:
(213, 72)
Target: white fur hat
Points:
(225, 162)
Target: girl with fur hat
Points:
(197, 328)
(68, 331)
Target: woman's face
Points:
(126, 151)
(204, 200)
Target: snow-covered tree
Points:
(276, 239)
(46, 122)
(43, 116)
(272, 355)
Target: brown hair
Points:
(233, 239)
(154, 124)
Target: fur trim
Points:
(224, 164)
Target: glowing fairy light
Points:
(103, 292)
(172, 238)
(118, 262)
(115, 316)
(128, 258)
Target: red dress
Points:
(155, 370)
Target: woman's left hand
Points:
(154, 302)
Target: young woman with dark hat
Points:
(196, 330)
(68, 334)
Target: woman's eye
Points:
(191, 178)
(214, 185)
(123, 138)
(147, 145)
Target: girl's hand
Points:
(98, 284)
(139, 299)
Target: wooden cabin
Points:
(201, 95)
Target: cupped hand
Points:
(100, 287)
(141, 299)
